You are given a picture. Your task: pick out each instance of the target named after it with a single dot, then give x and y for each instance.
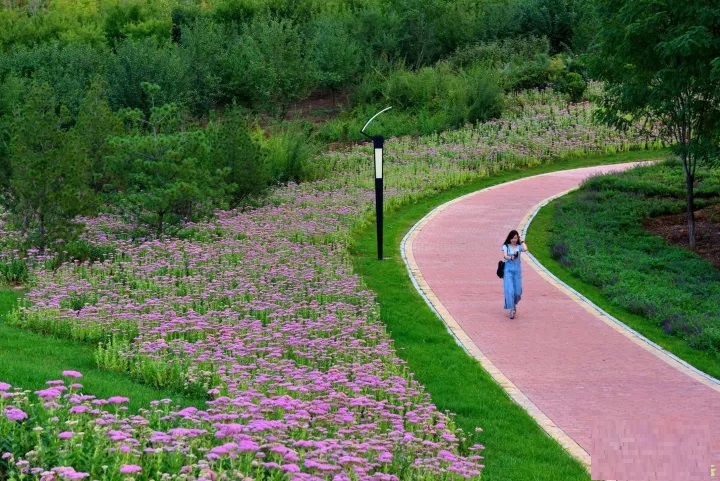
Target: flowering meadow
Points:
(260, 311)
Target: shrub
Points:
(68, 69)
(145, 60)
(485, 96)
(271, 63)
(14, 271)
(289, 156)
(240, 158)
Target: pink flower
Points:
(130, 469)
(66, 435)
(50, 393)
(15, 414)
(74, 374)
(4, 386)
(118, 400)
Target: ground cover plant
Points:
(261, 311)
(597, 233)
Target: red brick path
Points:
(572, 365)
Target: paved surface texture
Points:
(577, 372)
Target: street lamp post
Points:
(378, 142)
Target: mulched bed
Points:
(673, 228)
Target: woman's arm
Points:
(506, 252)
(524, 246)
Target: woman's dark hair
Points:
(512, 234)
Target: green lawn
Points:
(516, 448)
(28, 360)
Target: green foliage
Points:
(239, 158)
(162, 178)
(14, 271)
(270, 61)
(68, 69)
(49, 182)
(572, 84)
(78, 250)
(486, 99)
(236, 12)
(562, 22)
(443, 97)
(134, 19)
(659, 63)
(419, 29)
(95, 123)
(289, 155)
(335, 53)
(205, 46)
(534, 73)
(138, 61)
(498, 53)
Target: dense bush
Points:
(68, 69)
(146, 60)
(269, 66)
(239, 158)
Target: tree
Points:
(271, 63)
(335, 53)
(162, 178)
(660, 60)
(49, 182)
(95, 123)
(240, 160)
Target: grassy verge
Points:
(515, 446)
(538, 237)
(28, 360)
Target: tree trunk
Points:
(159, 229)
(690, 184)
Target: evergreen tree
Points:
(49, 181)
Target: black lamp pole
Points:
(378, 142)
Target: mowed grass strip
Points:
(538, 237)
(516, 448)
(28, 360)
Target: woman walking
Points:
(512, 280)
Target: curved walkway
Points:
(585, 378)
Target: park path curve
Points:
(574, 369)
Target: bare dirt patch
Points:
(319, 107)
(674, 229)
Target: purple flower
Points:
(130, 469)
(74, 374)
(118, 400)
(66, 435)
(15, 414)
(4, 386)
(50, 393)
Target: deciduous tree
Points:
(660, 60)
